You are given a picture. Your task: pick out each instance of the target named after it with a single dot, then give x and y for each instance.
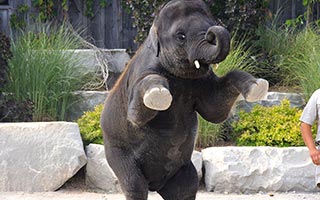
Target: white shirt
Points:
(311, 112)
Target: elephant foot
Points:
(157, 98)
(258, 90)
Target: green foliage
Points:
(242, 17)
(89, 6)
(310, 16)
(10, 109)
(272, 48)
(142, 12)
(288, 56)
(42, 71)
(269, 126)
(49, 10)
(303, 60)
(89, 124)
(17, 19)
(46, 9)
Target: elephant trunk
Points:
(215, 47)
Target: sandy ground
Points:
(75, 189)
(78, 195)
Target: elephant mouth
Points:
(195, 70)
(200, 65)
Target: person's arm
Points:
(308, 140)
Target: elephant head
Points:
(187, 39)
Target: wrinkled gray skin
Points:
(149, 149)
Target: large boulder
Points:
(36, 157)
(112, 61)
(196, 159)
(258, 169)
(100, 177)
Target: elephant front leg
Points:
(157, 97)
(220, 94)
(250, 88)
(257, 91)
(149, 96)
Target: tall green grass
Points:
(303, 60)
(42, 71)
(291, 56)
(271, 51)
(208, 133)
(239, 58)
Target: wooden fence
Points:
(111, 27)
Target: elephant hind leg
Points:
(131, 179)
(182, 186)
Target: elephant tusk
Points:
(197, 64)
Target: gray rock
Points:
(93, 61)
(196, 159)
(258, 169)
(273, 98)
(86, 101)
(99, 175)
(116, 59)
(36, 157)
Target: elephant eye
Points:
(181, 36)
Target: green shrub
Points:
(89, 124)
(269, 126)
(43, 72)
(272, 49)
(289, 56)
(303, 60)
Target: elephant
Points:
(149, 121)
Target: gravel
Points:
(81, 195)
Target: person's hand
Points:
(315, 156)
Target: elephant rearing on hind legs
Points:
(149, 121)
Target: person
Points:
(309, 116)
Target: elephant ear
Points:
(153, 34)
(154, 40)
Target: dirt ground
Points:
(75, 189)
(79, 195)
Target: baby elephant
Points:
(149, 121)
